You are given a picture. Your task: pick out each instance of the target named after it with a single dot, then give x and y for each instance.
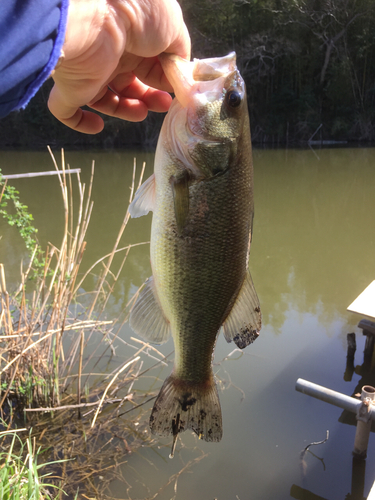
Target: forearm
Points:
(108, 51)
(31, 37)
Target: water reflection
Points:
(309, 224)
(309, 260)
(357, 485)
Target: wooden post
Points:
(358, 480)
(352, 346)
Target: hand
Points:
(110, 60)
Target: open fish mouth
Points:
(208, 91)
(195, 77)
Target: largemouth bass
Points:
(201, 195)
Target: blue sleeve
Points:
(32, 34)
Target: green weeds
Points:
(21, 477)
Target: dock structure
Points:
(363, 408)
(364, 304)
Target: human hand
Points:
(110, 60)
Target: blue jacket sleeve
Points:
(32, 34)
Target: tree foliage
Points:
(305, 63)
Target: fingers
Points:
(138, 84)
(118, 50)
(73, 117)
(131, 102)
(148, 75)
(111, 104)
(147, 69)
(150, 72)
(157, 100)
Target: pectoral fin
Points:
(144, 199)
(180, 189)
(245, 320)
(147, 318)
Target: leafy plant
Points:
(22, 220)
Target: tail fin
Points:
(184, 405)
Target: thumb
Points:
(181, 46)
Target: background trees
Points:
(305, 63)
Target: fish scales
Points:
(201, 195)
(199, 272)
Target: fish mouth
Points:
(197, 85)
(186, 76)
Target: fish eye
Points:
(234, 98)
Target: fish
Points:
(201, 196)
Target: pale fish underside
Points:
(201, 195)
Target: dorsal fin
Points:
(245, 320)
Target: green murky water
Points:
(312, 254)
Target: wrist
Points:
(151, 26)
(88, 22)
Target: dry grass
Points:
(33, 363)
(91, 419)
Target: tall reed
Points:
(34, 367)
(92, 421)
(43, 376)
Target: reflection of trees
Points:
(111, 190)
(310, 216)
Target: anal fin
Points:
(147, 318)
(245, 320)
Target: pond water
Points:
(312, 254)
